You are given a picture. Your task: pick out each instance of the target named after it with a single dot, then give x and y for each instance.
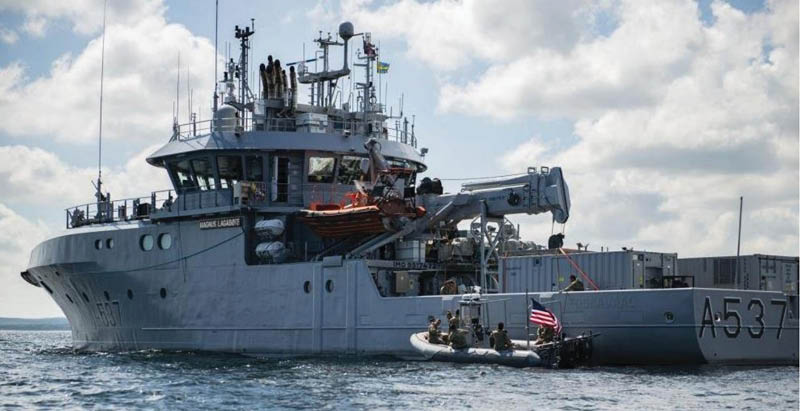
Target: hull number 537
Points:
(733, 320)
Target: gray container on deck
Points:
(755, 272)
(612, 270)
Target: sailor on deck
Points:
(575, 284)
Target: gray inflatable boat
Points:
(439, 352)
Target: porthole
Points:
(83, 294)
(669, 317)
(329, 286)
(130, 294)
(69, 298)
(163, 293)
(165, 241)
(108, 297)
(307, 287)
(98, 244)
(146, 242)
(109, 243)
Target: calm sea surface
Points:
(38, 369)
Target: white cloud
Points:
(35, 176)
(18, 298)
(35, 25)
(8, 36)
(665, 170)
(86, 16)
(32, 176)
(449, 34)
(140, 75)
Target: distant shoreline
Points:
(34, 324)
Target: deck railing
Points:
(243, 193)
(188, 131)
(119, 210)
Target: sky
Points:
(661, 114)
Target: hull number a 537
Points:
(732, 319)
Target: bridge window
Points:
(203, 173)
(230, 170)
(255, 168)
(183, 174)
(321, 169)
(280, 180)
(350, 170)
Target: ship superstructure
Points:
(302, 228)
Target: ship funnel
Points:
(346, 31)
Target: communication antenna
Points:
(98, 187)
(189, 91)
(216, 29)
(178, 92)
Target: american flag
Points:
(544, 317)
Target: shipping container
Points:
(610, 270)
(749, 272)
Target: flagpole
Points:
(528, 320)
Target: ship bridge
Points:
(262, 144)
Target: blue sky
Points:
(660, 113)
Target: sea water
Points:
(38, 369)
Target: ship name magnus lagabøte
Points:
(300, 229)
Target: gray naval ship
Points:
(301, 229)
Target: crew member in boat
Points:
(434, 334)
(499, 339)
(458, 339)
(574, 284)
(544, 335)
(453, 321)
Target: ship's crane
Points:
(533, 193)
(536, 192)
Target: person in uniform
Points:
(453, 321)
(574, 284)
(544, 335)
(434, 335)
(458, 339)
(499, 338)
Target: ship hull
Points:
(200, 295)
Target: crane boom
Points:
(533, 193)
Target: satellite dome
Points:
(346, 30)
